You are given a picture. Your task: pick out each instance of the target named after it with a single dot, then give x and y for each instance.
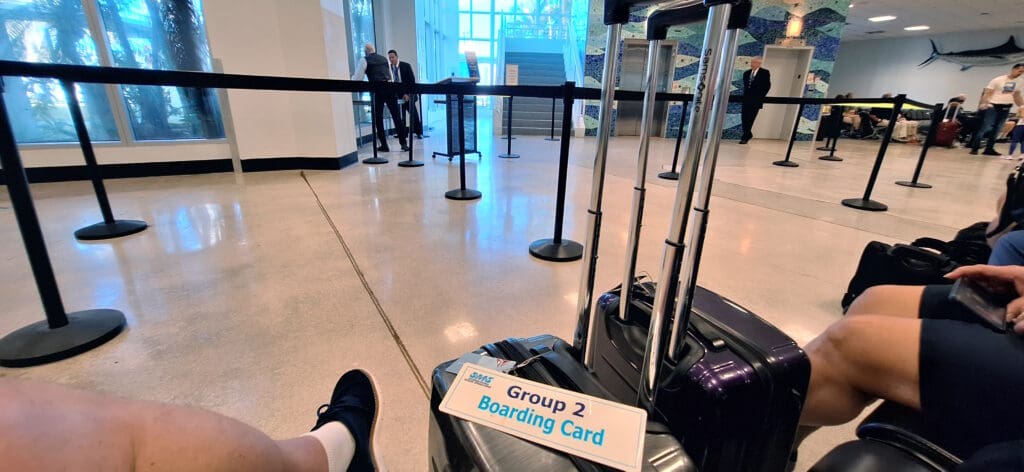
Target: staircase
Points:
(532, 116)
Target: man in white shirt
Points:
(996, 101)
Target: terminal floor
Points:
(249, 296)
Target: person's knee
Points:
(892, 300)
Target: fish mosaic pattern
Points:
(823, 27)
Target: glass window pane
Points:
(50, 31)
(464, 25)
(481, 48)
(481, 5)
(505, 5)
(464, 5)
(482, 26)
(168, 35)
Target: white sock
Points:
(338, 443)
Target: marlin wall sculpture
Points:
(1007, 53)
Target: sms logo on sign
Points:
(480, 379)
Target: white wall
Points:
(261, 37)
(871, 68)
(396, 28)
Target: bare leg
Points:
(860, 359)
(50, 427)
(902, 301)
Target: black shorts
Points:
(972, 377)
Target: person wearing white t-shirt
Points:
(996, 101)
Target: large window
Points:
(147, 34)
(360, 29)
(483, 22)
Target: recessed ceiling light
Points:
(917, 28)
(878, 19)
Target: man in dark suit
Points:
(402, 72)
(756, 83)
(375, 68)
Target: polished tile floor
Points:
(250, 295)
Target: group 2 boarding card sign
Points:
(592, 428)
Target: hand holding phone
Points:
(973, 296)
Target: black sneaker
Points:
(354, 404)
(405, 148)
(974, 152)
(384, 149)
(992, 152)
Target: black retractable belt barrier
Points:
(62, 334)
(928, 141)
(462, 193)
(558, 249)
(508, 134)
(553, 138)
(865, 202)
(110, 227)
(792, 137)
(409, 134)
(674, 174)
(373, 127)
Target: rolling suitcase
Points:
(730, 385)
(457, 444)
(948, 130)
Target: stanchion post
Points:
(462, 193)
(553, 138)
(110, 227)
(423, 118)
(62, 334)
(792, 138)
(928, 141)
(558, 249)
(673, 174)
(373, 132)
(508, 133)
(865, 202)
(412, 141)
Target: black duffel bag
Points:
(899, 264)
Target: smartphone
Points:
(981, 302)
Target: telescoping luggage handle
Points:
(714, 77)
(678, 11)
(615, 15)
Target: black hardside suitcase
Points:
(460, 445)
(734, 397)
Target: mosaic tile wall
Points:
(823, 27)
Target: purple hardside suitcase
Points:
(735, 395)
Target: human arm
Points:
(999, 280)
(986, 95)
(1018, 99)
(360, 70)
(767, 82)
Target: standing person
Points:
(999, 96)
(375, 68)
(756, 83)
(401, 72)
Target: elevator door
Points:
(634, 66)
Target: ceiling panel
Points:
(943, 16)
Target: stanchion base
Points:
(375, 160)
(669, 175)
(907, 183)
(823, 148)
(462, 194)
(552, 139)
(862, 204)
(509, 156)
(410, 163)
(785, 164)
(108, 231)
(831, 158)
(547, 250)
(37, 344)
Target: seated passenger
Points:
(913, 346)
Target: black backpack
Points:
(1011, 215)
(924, 262)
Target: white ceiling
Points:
(944, 16)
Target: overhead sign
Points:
(592, 428)
(511, 74)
